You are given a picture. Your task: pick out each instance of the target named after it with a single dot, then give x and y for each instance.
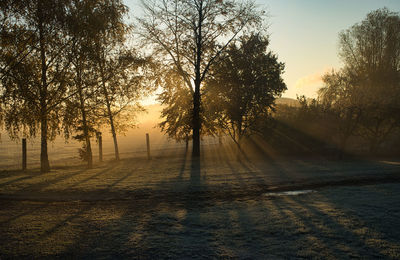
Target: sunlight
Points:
(199, 129)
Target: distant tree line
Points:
(359, 103)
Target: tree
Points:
(342, 105)
(98, 31)
(80, 108)
(244, 85)
(370, 51)
(177, 117)
(33, 68)
(177, 112)
(190, 35)
(124, 78)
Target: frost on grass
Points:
(288, 193)
(170, 207)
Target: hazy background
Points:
(304, 35)
(61, 152)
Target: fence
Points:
(135, 143)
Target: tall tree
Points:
(84, 33)
(35, 64)
(124, 78)
(190, 35)
(95, 26)
(370, 51)
(244, 85)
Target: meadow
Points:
(219, 207)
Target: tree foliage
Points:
(370, 90)
(341, 104)
(190, 35)
(244, 85)
(177, 99)
(33, 68)
(65, 65)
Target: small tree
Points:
(342, 105)
(244, 85)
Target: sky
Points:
(304, 35)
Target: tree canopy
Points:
(369, 88)
(244, 84)
(190, 35)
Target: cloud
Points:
(309, 84)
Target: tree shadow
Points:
(25, 212)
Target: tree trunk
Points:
(110, 115)
(44, 158)
(86, 133)
(186, 142)
(111, 118)
(113, 132)
(89, 155)
(197, 83)
(196, 122)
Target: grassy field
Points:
(174, 207)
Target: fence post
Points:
(100, 140)
(23, 154)
(148, 145)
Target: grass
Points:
(173, 207)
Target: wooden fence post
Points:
(23, 154)
(148, 145)
(100, 140)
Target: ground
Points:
(219, 207)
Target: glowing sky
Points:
(304, 35)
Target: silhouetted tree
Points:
(108, 77)
(177, 109)
(190, 35)
(177, 99)
(80, 108)
(370, 51)
(124, 78)
(33, 68)
(244, 85)
(341, 104)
